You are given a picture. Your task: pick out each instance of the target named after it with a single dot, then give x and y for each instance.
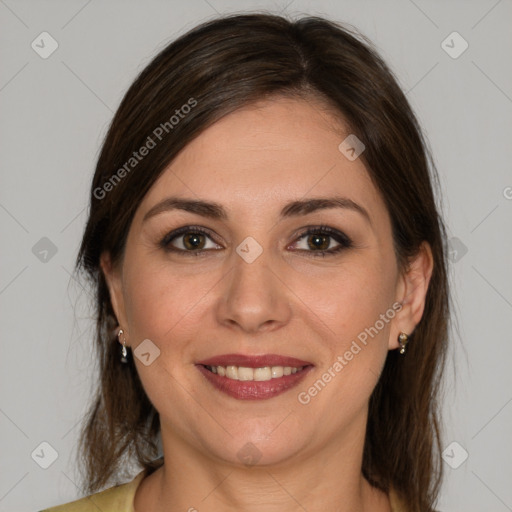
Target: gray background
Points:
(55, 113)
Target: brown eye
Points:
(318, 242)
(189, 241)
(193, 241)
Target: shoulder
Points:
(397, 503)
(115, 499)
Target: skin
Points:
(288, 301)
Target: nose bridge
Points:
(254, 297)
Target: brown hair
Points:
(216, 68)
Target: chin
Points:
(263, 445)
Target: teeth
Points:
(262, 373)
(232, 372)
(277, 371)
(245, 373)
(258, 374)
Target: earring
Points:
(403, 339)
(124, 352)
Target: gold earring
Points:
(124, 352)
(403, 339)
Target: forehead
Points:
(263, 155)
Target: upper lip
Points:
(254, 361)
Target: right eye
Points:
(191, 241)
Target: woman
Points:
(270, 273)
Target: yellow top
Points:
(120, 499)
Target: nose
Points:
(255, 298)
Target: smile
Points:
(253, 377)
(259, 374)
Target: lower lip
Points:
(253, 389)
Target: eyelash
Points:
(344, 241)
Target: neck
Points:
(326, 480)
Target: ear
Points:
(114, 283)
(411, 293)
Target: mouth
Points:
(253, 377)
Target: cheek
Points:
(164, 306)
(350, 298)
(356, 306)
(163, 303)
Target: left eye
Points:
(319, 240)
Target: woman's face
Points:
(251, 283)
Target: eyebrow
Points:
(216, 211)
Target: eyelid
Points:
(344, 242)
(176, 233)
(326, 230)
